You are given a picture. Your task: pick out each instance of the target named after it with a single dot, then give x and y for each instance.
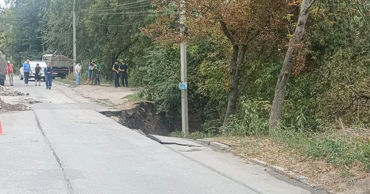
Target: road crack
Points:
(67, 181)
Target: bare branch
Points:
(227, 32)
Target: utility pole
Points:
(12, 43)
(74, 34)
(183, 84)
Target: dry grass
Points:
(351, 179)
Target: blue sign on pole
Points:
(183, 86)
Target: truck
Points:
(3, 67)
(61, 64)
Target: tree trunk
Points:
(286, 70)
(236, 60)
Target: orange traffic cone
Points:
(1, 129)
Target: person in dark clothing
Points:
(48, 76)
(115, 69)
(123, 69)
(37, 74)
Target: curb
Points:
(225, 148)
(214, 145)
(281, 170)
(284, 172)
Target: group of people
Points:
(120, 71)
(27, 71)
(48, 71)
(93, 73)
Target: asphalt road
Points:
(64, 145)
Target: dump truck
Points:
(61, 64)
(3, 67)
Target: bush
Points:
(253, 120)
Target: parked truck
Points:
(62, 65)
(3, 67)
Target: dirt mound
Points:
(5, 107)
(5, 91)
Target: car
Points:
(33, 66)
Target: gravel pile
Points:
(5, 107)
(6, 91)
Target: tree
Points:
(57, 27)
(286, 70)
(106, 30)
(241, 22)
(22, 25)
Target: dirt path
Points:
(113, 98)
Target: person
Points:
(37, 74)
(97, 69)
(27, 70)
(78, 74)
(123, 69)
(48, 76)
(10, 72)
(115, 69)
(90, 73)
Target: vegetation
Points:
(235, 54)
(337, 150)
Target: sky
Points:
(2, 3)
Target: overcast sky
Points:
(1, 2)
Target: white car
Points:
(33, 66)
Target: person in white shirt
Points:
(78, 74)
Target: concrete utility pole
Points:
(12, 48)
(183, 84)
(74, 34)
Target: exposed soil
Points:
(351, 180)
(145, 116)
(4, 106)
(6, 91)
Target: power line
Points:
(132, 3)
(125, 8)
(127, 13)
(100, 24)
(141, 5)
(122, 5)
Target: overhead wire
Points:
(132, 4)
(113, 25)
(128, 13)
(124, 8)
